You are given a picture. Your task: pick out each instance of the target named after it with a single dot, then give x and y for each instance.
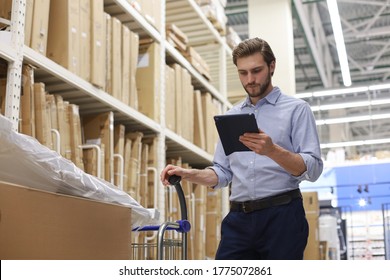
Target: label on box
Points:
(143, 60)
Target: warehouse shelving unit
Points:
(186, 14)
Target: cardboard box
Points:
(63, 45)
(170, 98)
(75, 135)
(134, 49)
(200, 193)
(43, 126)
(312, 209)
(133, 173)
(42, 225)
(5, 11)
(116, 58)
(148, 81)
(40, 26)
(209, 110)
(187, 121)
(310, 203)
(179, 97)
(27, 101)
(313, 249)
(98, 44)
(85, 39)
(152, 142)
(199, 131)
(108, 35)
(99, 129)
(28, 21)
(125, 61)
(64, 126)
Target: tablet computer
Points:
(231, 127)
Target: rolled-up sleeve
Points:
(306, 143)
(314, 167)
(221, 167)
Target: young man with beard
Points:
(266, 220)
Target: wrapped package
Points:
(24, 161)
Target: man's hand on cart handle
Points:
(169, 171)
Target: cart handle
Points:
(180, 226)
(175, 181)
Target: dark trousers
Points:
(275, 233)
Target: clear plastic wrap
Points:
(24, 161)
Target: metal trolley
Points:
(167, 248)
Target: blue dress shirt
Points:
(290, 124)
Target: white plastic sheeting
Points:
(24, 161)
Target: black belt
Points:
(253, 205)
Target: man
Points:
(266, 218)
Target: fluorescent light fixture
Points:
(355, 143)
(339, 91)
(379, 87)
(353, 119)
(350, 105)
(304, 95)
(332, 92)
(339, 38)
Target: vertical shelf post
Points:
(161, 155)
(14, 72)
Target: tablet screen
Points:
(231, 127)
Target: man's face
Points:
(255, 75)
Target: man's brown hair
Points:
(251, 46)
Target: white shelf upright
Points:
(14, 72)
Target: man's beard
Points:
(262, 88)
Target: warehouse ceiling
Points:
(366, 30)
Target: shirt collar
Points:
(271, 98)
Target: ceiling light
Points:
(339, 38)
(362, 202)
(339, 91)
(379, 87)
(353, 119)
(332, 92)
(350, 105)
(355, 143)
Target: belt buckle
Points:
(245, 208)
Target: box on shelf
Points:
(98, 44)
(42, 125)
(40, 26)
(134, 49)
(170, 97)
(99, 130)
(199, 130)
(85, 15)
(41, 225)
(116, 58)
(27, 110)
(5, 11)
(148, 80)
(63, 44)
(28, 20)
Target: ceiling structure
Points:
(366, 30)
